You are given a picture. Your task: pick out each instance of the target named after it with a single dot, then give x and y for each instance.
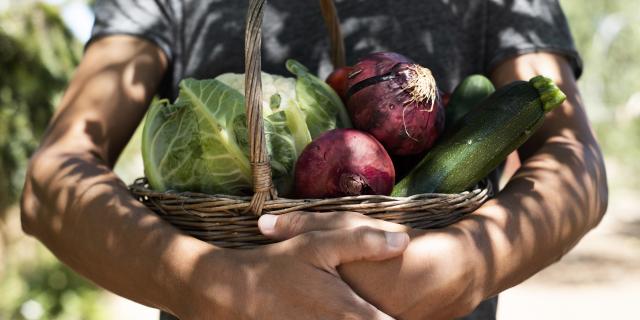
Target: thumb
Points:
(291, 224)
(336, 247)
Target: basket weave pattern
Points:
(220, 219)
(231, 221)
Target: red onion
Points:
(397, 101)
(343, 162)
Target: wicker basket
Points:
(231, 221)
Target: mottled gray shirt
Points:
(454, 38)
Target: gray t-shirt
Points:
(453, 38)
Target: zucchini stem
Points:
(550, 95)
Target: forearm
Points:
(80, 209)
(544, 210)
(542, 213)
(557, 195)
(555, 198)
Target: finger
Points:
(292, 224)
(334, 247)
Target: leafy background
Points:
(38, 54)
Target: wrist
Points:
(219, 279)
(485, 248)
(192, 272)
(448, 271)
(475, 264)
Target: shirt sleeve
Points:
(523, 26)
(147, 19)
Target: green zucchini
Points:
(495, 128)
(468, 94)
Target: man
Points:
(75, 204)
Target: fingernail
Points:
(396, 240)
(267, 223)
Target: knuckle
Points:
(351, 219)
(368, 238)
(311, 239)
(292, 224)
(313, 249)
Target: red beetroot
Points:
(397, 101)
(343, 162)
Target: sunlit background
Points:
(41, 42)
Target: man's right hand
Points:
(293, 279)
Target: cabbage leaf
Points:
(321, 104)
(200, 142)
(191, 145)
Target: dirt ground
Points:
(598, 279)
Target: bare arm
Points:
(78, 207)
(558, 194)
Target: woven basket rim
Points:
(231, 203)
(225, 221)
(142, 184)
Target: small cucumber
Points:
(468, 94)
(495, 128)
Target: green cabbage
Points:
(200, 142)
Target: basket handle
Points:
(263, 187)
(332, 21)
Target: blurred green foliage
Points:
(37, 56)
(607, 33)
(37, 286)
